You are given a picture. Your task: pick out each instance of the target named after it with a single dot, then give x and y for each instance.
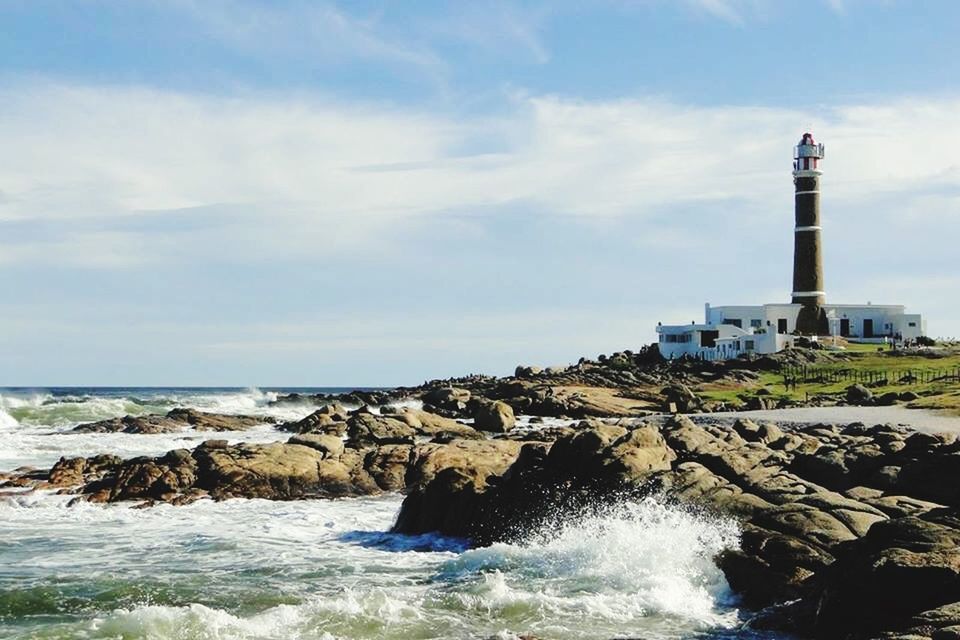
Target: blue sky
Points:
(229, 192)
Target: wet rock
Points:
(174, 421)
(274, 471)
(900, 569)
(73, 472)
(202, 421)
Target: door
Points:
(868, 328)
(845, 327)
(781, 325)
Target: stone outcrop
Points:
(174, 421)
(835, 521)
(308, 465)
(494, 416)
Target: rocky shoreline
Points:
(847, 531)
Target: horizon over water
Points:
(320, 569)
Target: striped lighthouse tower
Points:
(808, 288)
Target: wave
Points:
(256, 570)
(7, 421)
(47, 410)
(632, 561)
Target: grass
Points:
(864, 363)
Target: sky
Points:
(374, 193)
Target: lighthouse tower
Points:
(808, 288)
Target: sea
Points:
(322, 569)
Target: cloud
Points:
(497, 28)
(271, 228)
(321, 31)
(724, 9)
(309, 168)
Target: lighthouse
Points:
(734, 331)
(808, 287)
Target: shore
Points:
(846, 516)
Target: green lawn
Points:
(867, 365)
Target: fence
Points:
(793, 375)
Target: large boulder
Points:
(434, 426)
(73, 472)
(859, 395)
(451, 399)
(365, 429)
(900, 569)
(678, 398)
(330, 419)
(494, 416)
(447, 478)
(276, 471)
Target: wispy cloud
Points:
(726, 10)
(323, 31)
(313, 164)
(499, 28)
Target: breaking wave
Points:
(256, 570)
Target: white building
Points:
(731, 331)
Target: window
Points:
(749, 344)
(737, 322)
(912, 324)
(756, 323)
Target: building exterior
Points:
(730, 331)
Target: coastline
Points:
(814, 490)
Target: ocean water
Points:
(255, 569)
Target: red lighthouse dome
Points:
(807, 154)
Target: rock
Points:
(155, 479)
(276, 472)
(174, 421)
(370, 429)
(476, 459)
(524, 371)
(888, 399)
(570, 454)
(448, 398)
(148, 424)
(446, 478)
(681, 397)
(750, 431)
(898, 570)
(330, 419)
(74, 472)
(494, 416)
(859, 395)
(633, 457)
(329, 446)
(388, 465)
(431, 425)
(202, 421)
